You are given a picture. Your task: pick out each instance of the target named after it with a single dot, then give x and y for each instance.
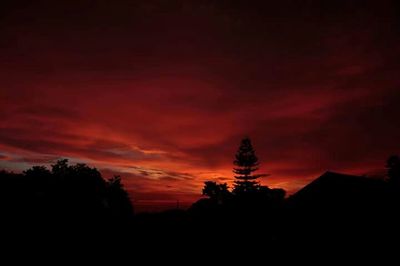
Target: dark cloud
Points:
(41, 111)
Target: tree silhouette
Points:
(60, 168)
(246, 163)
(216, 192)
(393, 168)
(39, 177)
(74, 194)
(40, 182)
(118, 200)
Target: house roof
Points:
(337, 189)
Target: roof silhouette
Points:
(337, 190)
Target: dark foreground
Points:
(334, 217)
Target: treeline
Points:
(74, 194)
(334, 207)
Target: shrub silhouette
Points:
(216, 192)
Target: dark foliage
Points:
(72, 194)
(351, 211)
(216, 192)
(246, 163)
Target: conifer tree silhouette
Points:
(246, 163)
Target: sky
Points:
(162, 92)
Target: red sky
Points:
(162, 91)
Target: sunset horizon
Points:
(162, 93)
(174, 197)
(173, 131)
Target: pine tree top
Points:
(245, 156)
(246, 162)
